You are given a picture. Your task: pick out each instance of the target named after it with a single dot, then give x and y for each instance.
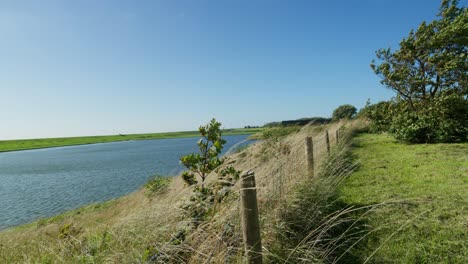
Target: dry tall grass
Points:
(134, 229)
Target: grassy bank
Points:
(136, 228)
(23, 144)
(424, 188)
(400, 204)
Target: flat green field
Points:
(425, 187)
(23, 144)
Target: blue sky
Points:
(71, 68)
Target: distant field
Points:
(426, 185)
(23, 144)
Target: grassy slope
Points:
(23, 144)
(429, 183)
(128, 229)
(429, 178)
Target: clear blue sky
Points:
(71, 68)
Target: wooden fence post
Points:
(337, 132)
(327, 141)
(309, 151)
(249, 218)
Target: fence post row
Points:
(309, 151)
(249, 218)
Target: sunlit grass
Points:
(425, 187)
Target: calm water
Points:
(45, 182)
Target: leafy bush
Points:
(344, 111)
(441, 120)
(156, 185)
(413, 128)
(454, 118)
(380, 114)
(444, 120)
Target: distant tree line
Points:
(272, 124)
(300, 122)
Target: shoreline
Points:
(35, 144)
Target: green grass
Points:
(23, 144)
(425, 186)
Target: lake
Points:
(45, 182)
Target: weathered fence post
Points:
(337, 132)
(249, 218)
(327, 141)
(309, 151)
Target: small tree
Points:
(344, 111)
(429, 73)
(431, 61)
(203, 163)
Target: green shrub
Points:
(380, 115)
(346, 111)
(443, 120)
(156, 185)
(413, 128)
(453, 119)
